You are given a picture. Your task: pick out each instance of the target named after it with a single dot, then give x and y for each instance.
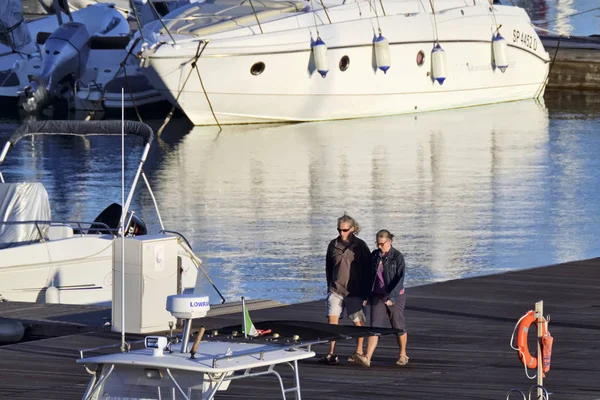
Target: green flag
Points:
(249, 325)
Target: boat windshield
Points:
(217, 16)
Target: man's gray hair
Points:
(348, 219)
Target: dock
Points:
(458, 342)
(574, 62)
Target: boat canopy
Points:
(213, 16)
(82, 128)
(14, 32)
(21, 202)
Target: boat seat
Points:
(59, 231)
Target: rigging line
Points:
(325, 9)
(170, 114)
(131, 94)
(161, 21)
(494, 18)
(256, 16)
(314, 17)
(434, 21)
(570, 15)
(195, 65)
(382, 9)
(121, 67)
(376, 15)
(551, 65)
(137, 19)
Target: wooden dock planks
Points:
(458, 343)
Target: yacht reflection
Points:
(262, 202)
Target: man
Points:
(347, 267)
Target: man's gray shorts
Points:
(380, 313)
(336, 303)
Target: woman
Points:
(387, 297)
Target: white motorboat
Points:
(254, 62)
(71, 262)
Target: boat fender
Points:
(438, 64)
(11, 331)
(52, 295)
(383, 58)
(500, 51)
(319, 49)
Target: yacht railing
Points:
(79, 227)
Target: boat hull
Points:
(224, 89)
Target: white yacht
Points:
(250, 61)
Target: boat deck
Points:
(458, 343)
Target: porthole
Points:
(420, 58)
(344, 63)
(257, 68)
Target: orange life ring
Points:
(528, 360)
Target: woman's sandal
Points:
(403, 360)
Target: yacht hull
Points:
(224, 89)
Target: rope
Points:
(572, 15)
(137, 19)
(325, 9)
(161, 21)
(382, 9)
(314, 17)
(521, 355)
(195, 65)
(551, 65)
(434, 22)
(199, 51)
(131, 93)
(121, 67)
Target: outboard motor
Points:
(111, 217)
(65, 55)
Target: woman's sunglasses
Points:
(343, 230)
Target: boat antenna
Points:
(123, 344)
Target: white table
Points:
(175, 375)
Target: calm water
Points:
(563, 17)
(467, 192)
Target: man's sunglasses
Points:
(343, 230)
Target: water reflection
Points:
(462, 190)
(563, 17)
(467, 192)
